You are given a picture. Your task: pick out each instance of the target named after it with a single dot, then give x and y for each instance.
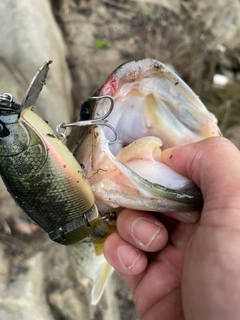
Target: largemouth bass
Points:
(153, 110)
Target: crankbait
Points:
(41, 173)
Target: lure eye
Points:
(4, 132)
(85, 111)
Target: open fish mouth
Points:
(153, 110)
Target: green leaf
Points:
(102, 44)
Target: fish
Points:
(153, 110)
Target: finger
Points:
(214, 165)
(124, 257)
(142, 230)
(204, 162)
(179, 233)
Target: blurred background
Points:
(87, 40)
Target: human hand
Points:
(186, 271)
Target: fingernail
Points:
(129, 256)
(145, 231)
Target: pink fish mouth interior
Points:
(150, 117)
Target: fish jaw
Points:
(120, 182)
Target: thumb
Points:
(214, 165)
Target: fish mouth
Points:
(151, 100)
(153, 110)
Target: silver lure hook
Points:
(7, 103)
(6, 97)
(95, 122)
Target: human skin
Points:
(186, 271)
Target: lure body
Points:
(44, 178)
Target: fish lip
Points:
(136, 69)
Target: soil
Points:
(99, 36)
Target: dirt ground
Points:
(99, 36)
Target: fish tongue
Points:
(143, 156)
(146, 147)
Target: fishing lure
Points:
(41, 173)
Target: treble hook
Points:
(7, 103)
(95, 122)
(6, 97)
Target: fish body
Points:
(153, 110)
